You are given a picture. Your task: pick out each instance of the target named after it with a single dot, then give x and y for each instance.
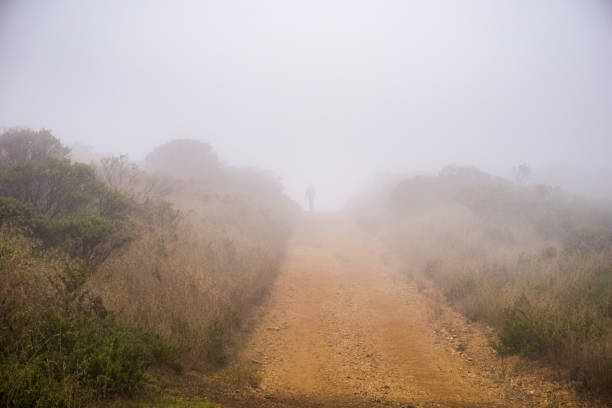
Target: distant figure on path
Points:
(310, 196)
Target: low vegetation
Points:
(175, 404)
(204, 258)
(531, 261)
(107, 270)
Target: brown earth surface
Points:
(344, 328)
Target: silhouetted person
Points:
(310, 196)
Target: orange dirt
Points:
(344, 328)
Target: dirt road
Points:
(344, 328)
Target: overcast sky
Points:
(328, 92)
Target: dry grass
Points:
(28, 283)
(174, 277)
(535, 266)
(195, 276)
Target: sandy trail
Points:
(343, 328)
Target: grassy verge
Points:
(56, 351)
(107, 271)
(172, 403)
(531, 261)
(558, 310)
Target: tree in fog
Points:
(20, 145)
(125, 177)
(184, 158)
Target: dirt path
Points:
(344, 328)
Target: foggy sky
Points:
(328, 92)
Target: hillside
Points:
(109, 270)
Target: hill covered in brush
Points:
(532, 261)
(108, 269)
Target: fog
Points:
(328, 93)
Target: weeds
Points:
(99, 281)
(68, 362)
(169, 403)
(534, 263)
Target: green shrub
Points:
(69, 360)
(64, 206)
(28, 385)
(58, 222)
(214, 345)
(522, 333)
(21, 145)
